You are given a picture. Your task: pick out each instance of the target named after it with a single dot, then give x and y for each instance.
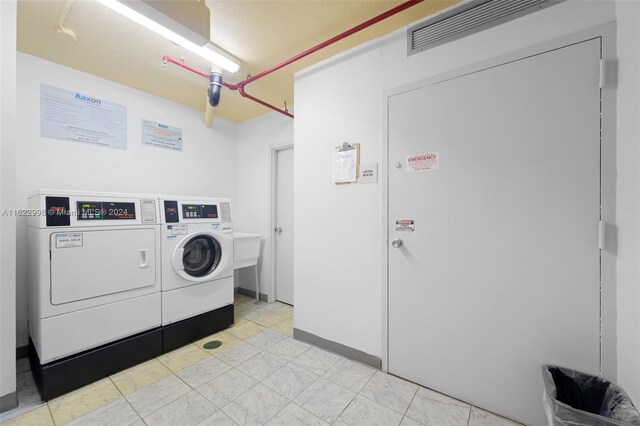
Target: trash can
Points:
(575, 398)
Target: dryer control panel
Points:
(56, 210)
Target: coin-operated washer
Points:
(197, 268)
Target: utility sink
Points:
(246, 249)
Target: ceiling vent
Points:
(468, 18)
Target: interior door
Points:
(499, 170)
(284, 225)
(88, 264)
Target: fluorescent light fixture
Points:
(209, 51)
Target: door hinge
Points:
(608, 74)
(601, 234)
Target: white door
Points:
(501, 274)
(284, 225)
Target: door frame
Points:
(273, 183)
(607, 34)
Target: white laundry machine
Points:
(197, 268)
(94, 285)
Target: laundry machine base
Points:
(195, 328)
(64, 375)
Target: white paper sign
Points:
(345, 164)
(368, 173)
(161, 135)
(72, 116)
(423, 162)
(69, 240)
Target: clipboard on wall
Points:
(346, 163)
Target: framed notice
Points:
(161, 135)
(79, 117)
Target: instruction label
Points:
(69, 240)
(179, 229)
(423, 162)
(405, 225)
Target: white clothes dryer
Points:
(94, 285)
(197, 268)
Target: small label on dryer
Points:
(148, 211)
(179, 229)
(215, 225)
(69, 240)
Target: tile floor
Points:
(259, 375)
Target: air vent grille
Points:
(467, 19)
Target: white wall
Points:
(252, 205)
(7, 197)
(205, 167)
(338, 275)
(628, 197)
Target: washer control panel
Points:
(199, 211)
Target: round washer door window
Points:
(201, 255)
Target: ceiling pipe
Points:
(63, 15)
(240, 87)
(168, 59)
(343, 35)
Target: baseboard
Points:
(8, 401)
(337, 348)
(22, 352)
(250, 293)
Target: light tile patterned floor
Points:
(259, 375)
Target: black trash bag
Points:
(575, 398)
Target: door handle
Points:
(143, 259)
(278, 230)
(396, 243)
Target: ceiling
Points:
(260, 33)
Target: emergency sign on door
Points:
(423, 162)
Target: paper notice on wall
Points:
(369, 173)
(423, 162)
(161, 135)
(78, 117)
(345, 166)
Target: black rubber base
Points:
(64, 375)
(192, 329)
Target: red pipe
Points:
(357, 28)
(244, 94)
(180, 63)
(240, 87)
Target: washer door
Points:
(199, 257)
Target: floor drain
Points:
(212, 344)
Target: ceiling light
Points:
(209, 51)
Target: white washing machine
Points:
(197, 268)
(94, 285)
